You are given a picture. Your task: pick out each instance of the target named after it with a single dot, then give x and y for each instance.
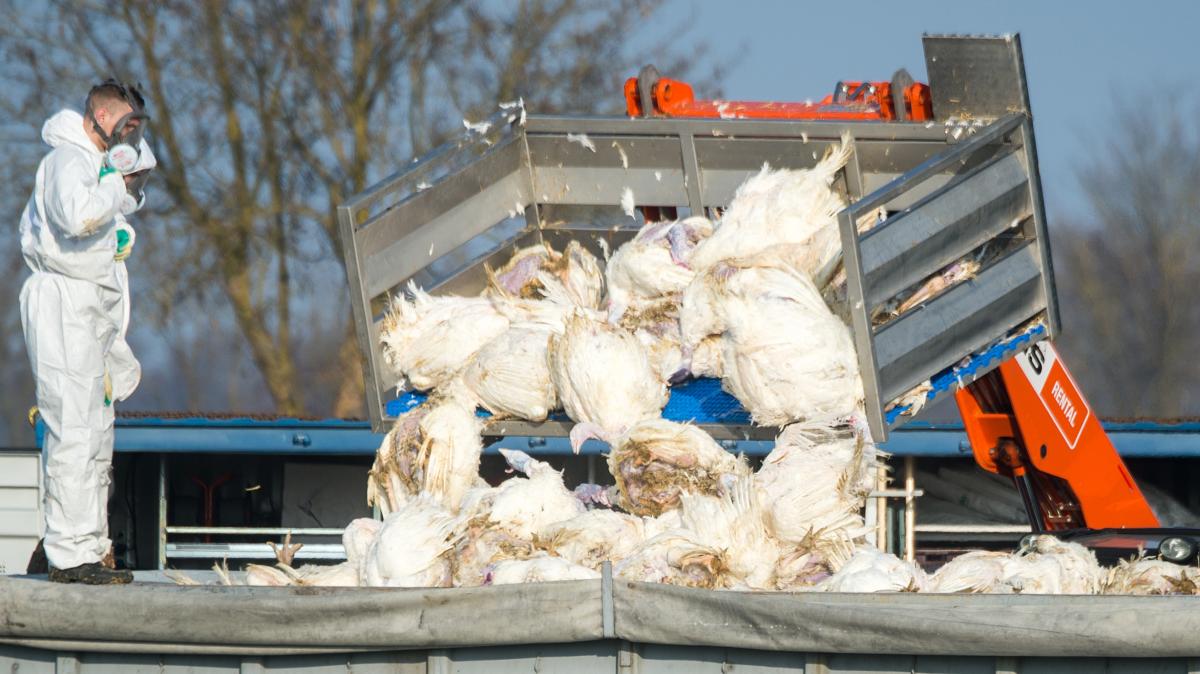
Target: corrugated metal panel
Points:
(20, 508)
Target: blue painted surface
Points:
(950, 378)
(702, 401)
(354, 438)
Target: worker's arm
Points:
(78, 201)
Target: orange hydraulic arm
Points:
(900, 99)
(1027, 420)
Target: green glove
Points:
(124, 245)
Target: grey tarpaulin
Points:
(930, 624)
(151, 618)
(287, 620)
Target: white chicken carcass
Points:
(974, 572)
(603, 376)
(654, 264)
(572, 277)
(358, 536)
(597, 495)
(510, 376)
(800, 569)
(734, 523)
(962, 270)
(1051, 566)
(593, 537)
(258, 575)
(433, 449)
(871, 570)
(655, 324)
(412, 547)
(577, 279)
(482, 545)
(786, 356)
(396, 474)
(814, 484)
(1143, 576)
(427, 340)
(655, 461)
(321, 575)
(676, 557)
(669, 520)
(524, 506)
(541, 568)
(784, 206)
(518, 278)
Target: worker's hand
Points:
(125, 238)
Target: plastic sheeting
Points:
(157, 618)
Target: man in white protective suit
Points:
(75, 310)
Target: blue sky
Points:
(1078, 56)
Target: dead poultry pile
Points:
(751, 299)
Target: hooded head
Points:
(65, 127)
(115, 115)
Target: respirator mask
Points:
(124, 143)
(126, 149)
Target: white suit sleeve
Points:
(78, 202)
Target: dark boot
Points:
(38, 563)
(91, 574)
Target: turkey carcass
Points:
(786, 356)
(593, 537)
(800, 569)
(676, 557)
(973, 572)
(655, 323)
(784, 206)
(524, 506)
(510, 376)
(427, 340)
(518, 278)
(734, 523)
(1051, 566)
(1144, 576)
(654, 264)
(603, 375)
(656, 461)
(483, 544)
(433, 449)
(814, 484)
(577, 279)
(345, 574)
(871, 570)
(413, 546)
(573, 277)
(541, 568)
(358, 536)
(258, 575)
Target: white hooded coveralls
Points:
(74, 311)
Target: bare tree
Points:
(268, 114)
(1129, 269)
